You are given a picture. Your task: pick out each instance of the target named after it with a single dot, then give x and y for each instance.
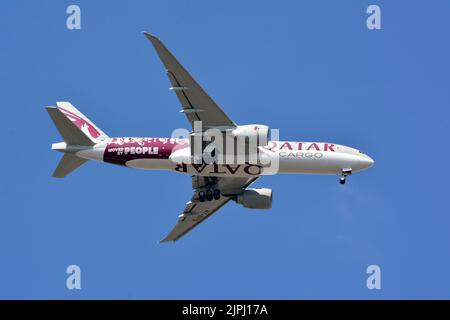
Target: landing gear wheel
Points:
(344, 173)
(216, 194)
(209, 195)
(201, 196)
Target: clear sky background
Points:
(310, 68)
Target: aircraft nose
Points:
(367, 161)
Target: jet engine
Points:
(255, 132)
(256, 198)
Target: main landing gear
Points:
(209, 195)
(344, 174)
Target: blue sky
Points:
(310, 68)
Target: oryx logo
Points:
(81, 123)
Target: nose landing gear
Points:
(344, 174)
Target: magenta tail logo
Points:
(82, 124)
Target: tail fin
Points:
(76, 130)
(74, 127)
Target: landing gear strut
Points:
(344, 174)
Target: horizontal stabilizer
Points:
(67, 164)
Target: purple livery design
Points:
(122, 150)
(216, 179)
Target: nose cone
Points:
(366, 161)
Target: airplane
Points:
(214, 183)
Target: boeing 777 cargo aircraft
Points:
(213, 183)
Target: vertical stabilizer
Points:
(81, 121)
(68, 130)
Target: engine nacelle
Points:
(255, 132)
(256, 198)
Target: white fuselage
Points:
(278, 156)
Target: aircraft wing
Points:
(195, 102)
(196, 212)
